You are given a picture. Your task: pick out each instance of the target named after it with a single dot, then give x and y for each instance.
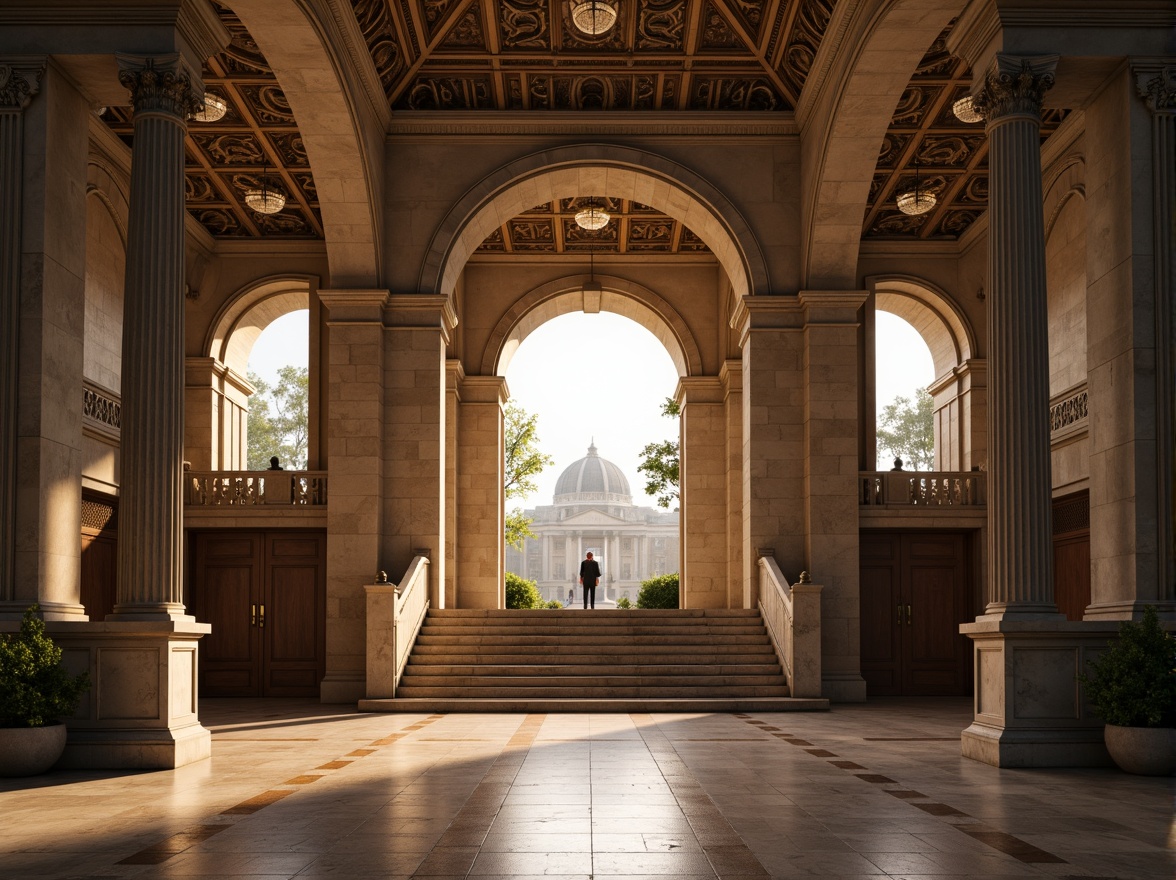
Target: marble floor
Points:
(296, 789)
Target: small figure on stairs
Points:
(589, 575)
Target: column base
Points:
(843, 687)
(342, 687)
(1030, 709)
(140, 712)
(1038, 747)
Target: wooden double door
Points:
(264, 592)
(915, 593)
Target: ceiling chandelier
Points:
(965, 110)
(267, 197)
(593, 17)
(916, 201)
(592, 217)
(214, 109)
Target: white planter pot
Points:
(1146, 751)
(27, 751)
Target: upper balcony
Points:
(227, 499)
(922, 499)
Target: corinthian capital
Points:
(1157, 88)
(1015, 85)
(160, 84)
(18, 84)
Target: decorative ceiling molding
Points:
(683, 124)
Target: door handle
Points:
(908, 613)
(261, 615)
(900, 614)
(253, 615)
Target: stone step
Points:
(632, 630)
(567, 703)
(427, 638)
(530, 678)
(423, 660)
(669, 615)
(603, 692)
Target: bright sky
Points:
(604, 377)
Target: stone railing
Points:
(792, 615)
(394, 618)
(924, 489)
(255, 488)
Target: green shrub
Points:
(1134, 680)
(623, 602)
(35, 689)
(522, 594)
(659, 592)
(554, 604)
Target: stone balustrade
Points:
(255, 488)
(923, 488)
(792, 616)
(393, 620)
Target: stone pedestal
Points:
(1029, 706)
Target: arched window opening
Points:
(904, 370)
(279, 371)
(596, 384)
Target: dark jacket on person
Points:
(590, 572)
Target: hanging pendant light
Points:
(592, 217)
(916, 201)
(593, 17)
(267, 197)
(965, 110)
(214, 110)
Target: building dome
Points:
(592, 479)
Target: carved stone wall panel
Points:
(447, 93)
(268, 104)
(974, 191)
(951, 151)
(230, 149)
(220, 222)
(288, 223)
(956, 223)
(689, 242)
(891, 149)
(375, 23)
(576, 238)
(651, 235)
(531, 235)
(750, 14)
(524, 25)
(723, 93)
(290, 148)
(938, 62)
(661, 26)
(717, 34)
(434, 14)
(494, 243)
(801, 49)
(200, 188)
(467, 34)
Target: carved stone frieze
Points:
(268, 105)
(18, 85)
(1015, 86)
(951, 151)
(286, 223)
(957, 222)
(448, 93)
(160, 85)
(812, 20)
(101, 408)
(716, 32)
(291, 148)
(524, 25)
(750, 14)
(661, 25)
(577, 238)
(1069, 411)
(651, 234)
(494, 242)
(891, 149)
(220, 222)
(531, 235)
(230, 149)
(375, 23)
(1158, 90)
(690, 242)
(913, 105)
(199, 188)
(890, 223)
(975, 191)
(468, 33)
(722, 93)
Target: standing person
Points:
(589, 575)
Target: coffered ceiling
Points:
(661, 56)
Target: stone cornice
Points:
(1015, 86)
(731, 375)
(19, 82)
(201, 30)
(420, 310)
(352, 306)
(699, 389)
(832, 306)
(522, 123)
(484, 389)
(774, 312)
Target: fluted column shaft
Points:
(1021, 552)
(150, 511)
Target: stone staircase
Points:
(592, 661)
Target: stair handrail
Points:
(395, 613)
(792, 615)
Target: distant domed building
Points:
(593, 510)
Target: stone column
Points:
(481, 503)
(416, 335)
(1158, 89)
(703, 487)
(731, 375)
(1020, 540)
(150, 555)
(355, 440)
(772, 343)
(19, 82)
(831, 482)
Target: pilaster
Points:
(481, 502)
(831, 481)
(355, 438)
(703, 490)
(731, 376)
(454, 374)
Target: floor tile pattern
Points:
(295, 789)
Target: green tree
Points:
(906, 430)
(660, 463)
(524, 462)
(659, 592)
(278, 419)
(523, 594)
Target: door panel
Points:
(295, 590)
(1071, 553)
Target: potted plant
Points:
(1133, 689)
(35, 693)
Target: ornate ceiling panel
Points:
(634, 228)
(660, 55)
(952, 155)
(257, 135)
